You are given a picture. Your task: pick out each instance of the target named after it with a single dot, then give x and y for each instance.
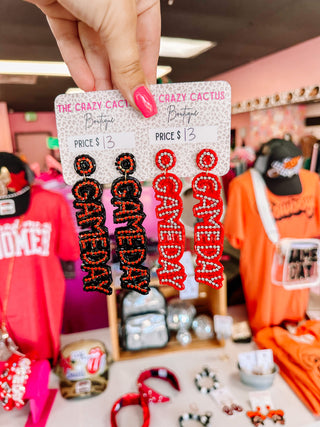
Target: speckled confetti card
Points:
(191, 116)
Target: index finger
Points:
(148, 38)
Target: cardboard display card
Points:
(191, 116)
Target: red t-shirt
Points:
(35, 305)
(296, 216)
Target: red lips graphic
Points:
(95, 355)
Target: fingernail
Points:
(144, 101)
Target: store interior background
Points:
(263, 49)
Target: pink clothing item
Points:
(35, 306)
(39, 419)
(37, 392)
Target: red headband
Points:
(146, 394)
(161, 373)
(128, 400)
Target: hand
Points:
(109, 44)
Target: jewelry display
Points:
(13, 381)
(208, 232)
(94, 242)
(204, 419)
(171, 233)
(130, 239)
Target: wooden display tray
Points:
(210, 301)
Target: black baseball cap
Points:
(279, 162)
(15, 180)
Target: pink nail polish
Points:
(144, 101)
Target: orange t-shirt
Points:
(298, 356)
(296, 216)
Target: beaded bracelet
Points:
(204, 419)
(206, 373)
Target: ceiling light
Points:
(173, 47)
(57, 69)
(74, 90)
(7, 79)
(34, 68)
(163, 70)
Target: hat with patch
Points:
(279, 162)
(15, 180)
(83, 368)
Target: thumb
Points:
(118, 35)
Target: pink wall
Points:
(241, 123)
(5, 137)
(288, 69)
(275, 123)
(259, 126)
(45, 122)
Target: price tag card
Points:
(224, 397)
(265, 361)
(260, 399)
(191, 290)
(191, 116)
(247, 361)
(222, 326)
(188, 263)
(257, 361)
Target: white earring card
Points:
(191, 116)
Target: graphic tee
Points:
(297, 354)
(35, 305)
(296, 216)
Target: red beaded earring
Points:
(171, 234)
(208, 232)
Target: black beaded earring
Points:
(130, 239)
(94, 242)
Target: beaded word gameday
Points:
(101, 135)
